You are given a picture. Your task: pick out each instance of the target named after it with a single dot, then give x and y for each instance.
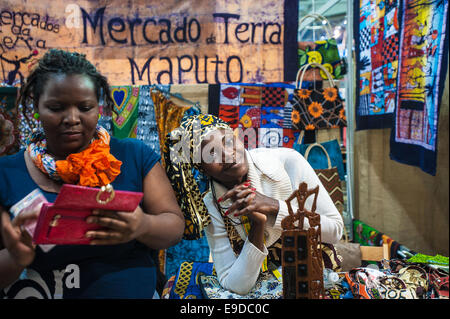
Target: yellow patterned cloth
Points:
(186, 284)
(168, 116)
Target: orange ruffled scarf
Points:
(93, 167)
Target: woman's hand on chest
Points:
(248, 201)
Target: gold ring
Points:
(108, 188)
(54, 221)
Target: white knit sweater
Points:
(275, 172)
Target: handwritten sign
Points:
(149, 42)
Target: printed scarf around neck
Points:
(93, 167)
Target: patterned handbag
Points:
(318, 161)
(329, 178)
(324, 52)
(317, 108)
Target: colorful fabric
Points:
(369, 236)
(159, 109)
(250, 137)
(274, 96)
(287, 114)
(168, 287)
(105, 119)
(197, 250)
(376, 36)
(251, 95)
(229, 94)
(179, 165)
(147, 128)
(330, 257)
(168, 116)
(324, 52)
(94, 166)
(290, 136)
(230, 114)
(249, 116)
(362, 287)
(272, 116)
(365, 235)
(428, 259)
(270, 137)
(265, 108)
(267, 287)
(186, 282)
(422, 64)
(27, 124)
(201, 179)
(9, 132)
(193, 110)
(125, 117)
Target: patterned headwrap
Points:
(182, 154)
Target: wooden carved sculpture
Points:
(300, 253)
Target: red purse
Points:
(64, 221)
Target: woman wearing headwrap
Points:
(245, 204)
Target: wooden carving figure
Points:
(301, 254)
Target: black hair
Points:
(57, 61)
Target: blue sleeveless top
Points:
(80, 271)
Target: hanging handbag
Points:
(317, 159)
(324, 52)
(329, 178)
(317, 108)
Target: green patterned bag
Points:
(324, 52)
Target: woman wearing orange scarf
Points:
(65, 90)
